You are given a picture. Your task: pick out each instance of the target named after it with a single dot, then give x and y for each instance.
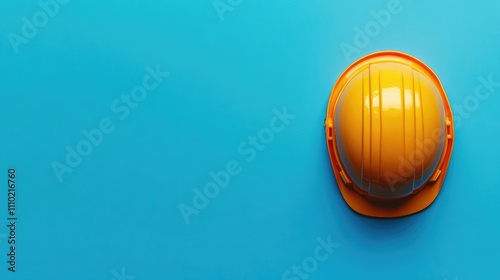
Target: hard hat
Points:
(389, 131)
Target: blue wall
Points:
(116, 115)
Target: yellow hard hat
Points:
(389, 131)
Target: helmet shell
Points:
(389, 132)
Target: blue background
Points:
(118, 212)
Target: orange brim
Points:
(389, 209)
